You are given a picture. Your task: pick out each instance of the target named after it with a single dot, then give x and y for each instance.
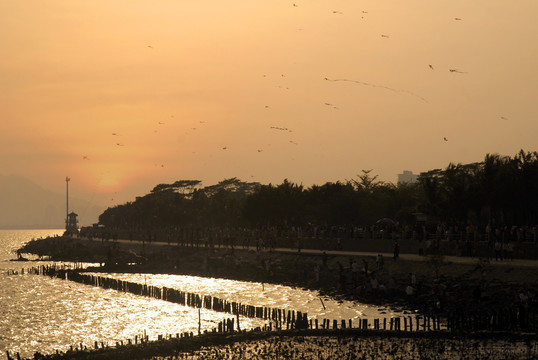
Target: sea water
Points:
(42, 314)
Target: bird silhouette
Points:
(456, 71)
(379, 86)
(385, 36)
(431, 66)
(445, 139)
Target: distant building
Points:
(407, 177)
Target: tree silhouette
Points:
(501, 190)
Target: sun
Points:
(108, 181)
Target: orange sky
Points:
(202, 90)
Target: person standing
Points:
(396, 250)
(498, 248)
(355, 273)
(379, 262)
(317, 270)
(510, 250)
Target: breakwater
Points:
(278, 318)
(516, 318)
(499, 322)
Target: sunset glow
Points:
(124, 95)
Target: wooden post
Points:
(199, 322)
(320, 299)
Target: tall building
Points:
(407, 177)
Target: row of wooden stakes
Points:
(511, 319)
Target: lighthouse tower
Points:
(71, 222)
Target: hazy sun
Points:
(108, 181)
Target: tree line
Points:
(500, 191)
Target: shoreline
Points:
(440, 286)
(340, 343)
(453, 283)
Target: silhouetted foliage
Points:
(500, 190)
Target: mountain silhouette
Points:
(24, 204)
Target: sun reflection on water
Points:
(39, 313)
(44, 314)
(257, 294)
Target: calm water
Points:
(38, 313)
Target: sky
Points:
(121, 95)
